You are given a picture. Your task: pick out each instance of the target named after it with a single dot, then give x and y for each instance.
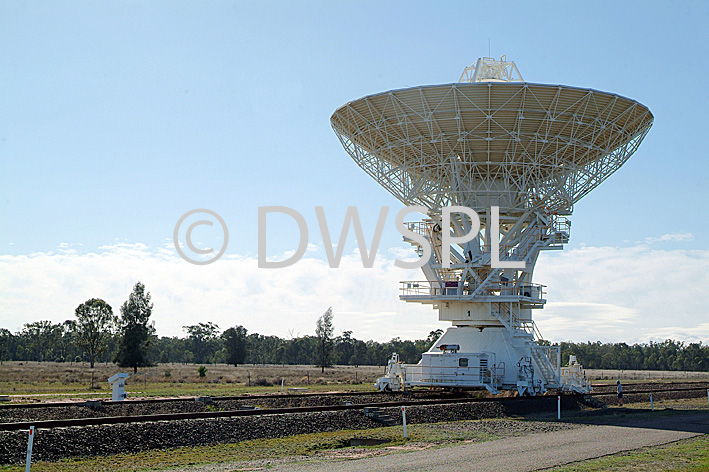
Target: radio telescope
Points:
(489, 140)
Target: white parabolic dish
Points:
(515, 145)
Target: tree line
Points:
(95, 334)
(129, 340)
(666, 355)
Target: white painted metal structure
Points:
(533, 150)
(118, 386)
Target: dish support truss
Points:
(490, 308)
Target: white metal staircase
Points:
(526, 334)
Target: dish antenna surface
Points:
(489, 140)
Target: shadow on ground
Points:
(669, 419)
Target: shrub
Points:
(263, 383)
(202, 371)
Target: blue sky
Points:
(119, 117)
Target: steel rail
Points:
(8, 406)
(646, 382)
(637, 392)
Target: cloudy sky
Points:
(119, 117)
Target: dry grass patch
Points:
(32, 381)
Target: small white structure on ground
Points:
(118, 384)
(573, 378)
(517, 154)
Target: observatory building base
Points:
(468, 357)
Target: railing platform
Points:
(500, 292)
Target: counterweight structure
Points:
(490, 140)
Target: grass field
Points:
(32, 381)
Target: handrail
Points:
(462, 288)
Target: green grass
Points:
(690, 455)
(304, 445)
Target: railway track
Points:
(289, 396)
(143, 401)
(424, 401)
(235, 413)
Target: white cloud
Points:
(630, 294)
(231, 291)
(675, 237)
(682, 333)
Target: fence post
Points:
(558, 408)
(30, 441)
(652, 405)
(403, 419)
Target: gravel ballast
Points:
(58, 443)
